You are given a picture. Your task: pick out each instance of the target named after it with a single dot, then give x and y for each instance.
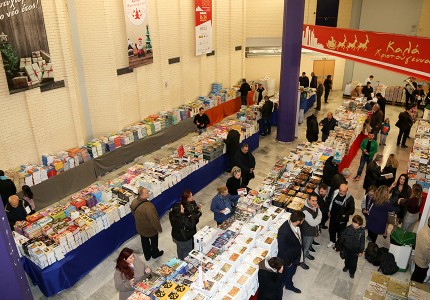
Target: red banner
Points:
(203, 10)
(400, 53)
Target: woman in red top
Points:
(413, 205)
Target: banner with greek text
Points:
(409, 55)
(139, 46)
(24, 45)
(203, 9)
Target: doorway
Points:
(322, 68)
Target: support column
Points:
(290, 69)
(13, 281)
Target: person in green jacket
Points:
(368, 147)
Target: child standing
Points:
(28, 196)
(384, 132)
(368, 200)
(354, 244)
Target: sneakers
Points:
(357, 178)
(345, 269)
(311, 249)
(310, 257)
(304, 266)
(329, 245)
(294, 289)
(315, 243)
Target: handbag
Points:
(392, 219)
(185, 233)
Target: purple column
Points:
(290, 69)
(13, 282)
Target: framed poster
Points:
(24, 45)
(139, 47)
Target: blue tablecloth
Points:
(79, 262)
(309, 104)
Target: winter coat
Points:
(304, 81)
(396, 195)
(7, 189)
(18, 213)
(244, 89)
(388, 170)
(328, 125)
(347, 208)
(233, 184)
(367, 92)
(337, 180)
(232, 142)
(269, 282)
(354, 238)
(329, 171)
(146, 217)
(366, 202)
(320, 90)
(327, 84)
(312, 128)
(373, 175)
(266, 110)
(220, 202)
(312, 220)
(373, 147)
(405, 121)
(290, 248)
(422, 247)
(378, 217)
(183, 225)
(123, 285)
(376, 120)
(244, 161)
(314, 82)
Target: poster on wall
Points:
(139, 47)
(400, 53)
(203, 9)
(24, 45)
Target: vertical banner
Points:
(24, 45)
(139, 47)
(203, 10)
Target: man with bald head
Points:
(327, 124)
(147, 224)
(16, 210)
(341, 207)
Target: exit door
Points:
(322, 68)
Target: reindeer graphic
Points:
(363, 45)
(352, 45)
(341, 45)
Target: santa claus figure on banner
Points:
(139, 47)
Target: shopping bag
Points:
(392, 219)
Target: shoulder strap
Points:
(134, 210)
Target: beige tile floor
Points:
(324, 279)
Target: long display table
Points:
(309, 104)
(79, 262)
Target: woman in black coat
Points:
(390, 168)
(183, 230)
(312, 128)
(235, 182)
(404, 124)
(270, 279)
(399, 190)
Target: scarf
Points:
(267, 266)
(3, 177)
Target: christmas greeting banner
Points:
(24, 45)
(139, 47)
(203, 9)
(400, 53)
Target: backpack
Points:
(372, 254)
(388, 264)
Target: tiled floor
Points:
(323, 280)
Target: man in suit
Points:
(304, 80)
(290, 248)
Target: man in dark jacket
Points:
(376, 120)
(312, 128)
(246, 162)
(327, 124)
(16, 210)
(341, 207)
(266, 114)
(314, 80)
(244, 89)
(381, 102)
(320, 91)
(338, 179)
(367, 91)
(7, 188)
(304, 80)
(290, 248)
(309, 227)
(321, 191)
(201, 120)
(404, 124)
(330, 169)
(232, 144)
(270, 279)
(373, 173)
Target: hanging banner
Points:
(24, 45)
(139, 47)
(203, 10)
(400, 53)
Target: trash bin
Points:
(401, 255)
(401, 237)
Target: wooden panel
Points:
(322, 68)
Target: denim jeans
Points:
(201, 130)
(307, 242)
(363, 161)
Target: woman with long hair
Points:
(235, 182)
(400, 189)
(390, 168)
(192, 208)
(129, 270)
(183, 229)
(378, 213)
(413, 206)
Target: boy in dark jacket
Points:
(354, 244)
(270, 279)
